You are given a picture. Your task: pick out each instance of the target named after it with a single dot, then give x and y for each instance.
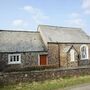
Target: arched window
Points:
(84, 52)
(72, 55)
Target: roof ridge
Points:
(18, 31)
(60, 26)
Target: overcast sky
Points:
(28, 14)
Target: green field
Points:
(49, 84)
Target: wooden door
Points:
(43, 59)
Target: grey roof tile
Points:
(63, 34)
(16, 41)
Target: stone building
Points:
(48, 46)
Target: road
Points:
(78, 87)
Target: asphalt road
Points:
(79, 87)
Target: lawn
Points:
(49, 84)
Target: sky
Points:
(28, 14)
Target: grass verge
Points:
(49, 84)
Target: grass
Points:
(49, 84)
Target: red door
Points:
(43, 59)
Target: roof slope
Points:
(63, 34)
(20, 41)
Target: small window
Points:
(84, 52)
(14, 58)
(72, 56)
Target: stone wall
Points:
(28, 59)
(78, 61)
(53, 54)
(30, 76)
(58, 55)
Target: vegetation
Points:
(32, 68)
(49, 84)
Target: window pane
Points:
(84, 52)
(72, 55)
(17, 58)
(84, 55)
(10, 58)
(14, 58)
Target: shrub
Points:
(32, 68)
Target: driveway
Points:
(80, 87)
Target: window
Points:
(42, 60)
(84, 52)
(72, 57)
(14, 58)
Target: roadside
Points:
(73, 83)
(85, 86)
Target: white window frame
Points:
(14, 62)
(87, 56)
(39, 59)
(72, 55)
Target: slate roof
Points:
(20, 41)
(63, 34)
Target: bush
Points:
(33, 68)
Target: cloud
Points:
(75, 20)
(27, 8)
(86, 6)
(19, 22)
(88, 12)
(37, 15)
(75, 15)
